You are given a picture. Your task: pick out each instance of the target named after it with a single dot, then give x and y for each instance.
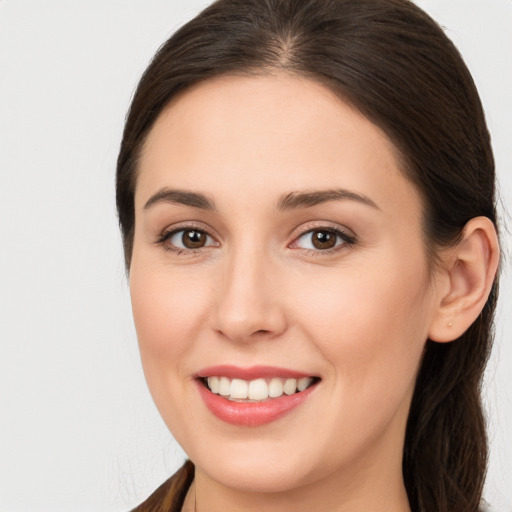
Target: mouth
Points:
(256, 390)
(255, 396)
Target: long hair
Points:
(394, 64)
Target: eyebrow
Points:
(291, 201)
(295, 200)
(183, 197)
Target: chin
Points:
(256, 476)
(265, 465)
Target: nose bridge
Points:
(248, 305)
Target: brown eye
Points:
(188, 239)
(193, 239)
(323, 239)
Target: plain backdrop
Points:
(78, 430)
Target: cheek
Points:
(371, 330)
(167, 309)
(168, 314)
(371, 326)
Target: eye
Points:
(323, 239)
(188, 239)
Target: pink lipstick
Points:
(253, 396)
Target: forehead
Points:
(266, 134)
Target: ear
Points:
(467, 275)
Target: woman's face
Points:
(277, 239)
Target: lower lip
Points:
(251, 414)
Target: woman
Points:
(306, 196)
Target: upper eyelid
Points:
(188, 226)
(308, 227)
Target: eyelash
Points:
(343, 239)
(167, 235)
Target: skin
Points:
(259, 293)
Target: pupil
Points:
(324, 240)
(193, 239)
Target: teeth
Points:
(304, 383)
(213, 384)
(290, 386)
(238, 389)
(258, 389)
(275, 388)
(224, 386)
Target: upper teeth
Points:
(259, 389)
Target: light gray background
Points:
(78, 430)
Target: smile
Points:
(255, 396)
(256, 390)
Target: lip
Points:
(246, 413)
(250, 373)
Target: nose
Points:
(249, 305)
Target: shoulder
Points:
(170, 495)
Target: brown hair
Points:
(393, 63)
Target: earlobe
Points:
(470, 269)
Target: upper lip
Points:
(250, 373)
